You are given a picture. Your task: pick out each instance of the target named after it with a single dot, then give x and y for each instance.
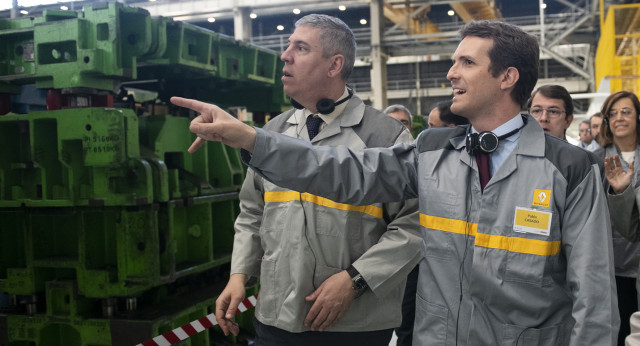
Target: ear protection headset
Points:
(325, 106)
(486, 141)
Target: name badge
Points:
(532, 221)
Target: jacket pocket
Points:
(526, 268)
(268, 291)
(535, 259)
(430, 326)
(524, 336)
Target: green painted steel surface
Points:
(114, 251)
(98, 204)
(104, 45)
(111, 251)
(84, 156)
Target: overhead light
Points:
(451, 12)
(342, 8)
(280, 27)
(253, 15)
(211, 19)
(543, 5)
(363, 21)
(25, 12)
(64, 8)
(296, 11)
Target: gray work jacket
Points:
(481, 281)
(295, 241)
(624, 218)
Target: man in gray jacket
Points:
(330, 273)
(516, 233)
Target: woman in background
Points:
(619, 139)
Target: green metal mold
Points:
(225, 167)
(176, 172)
(190, 46)
(197, 235)
(93, 51)
(17, 50)
(224, 214)
(188, 246)
(256, 97)
(84, 156)
(114, 251)
(111, 251)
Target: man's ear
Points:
(510, 77)
(336, 65)
(569, 120)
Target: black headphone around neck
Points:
(486, 141)
(325, 106)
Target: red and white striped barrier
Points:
(194, 327)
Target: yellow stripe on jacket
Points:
(287, 196)
(512, 244)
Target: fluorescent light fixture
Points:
(7, 5)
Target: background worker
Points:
(441, 116)
(552, 107)
(620, 138)
(400, 113)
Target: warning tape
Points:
(196, 326)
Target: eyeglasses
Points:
(585, 130)
(552, 113)
(625, 112)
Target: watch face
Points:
(359, 283)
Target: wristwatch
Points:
(358, 283)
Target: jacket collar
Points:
(530, 143)
(351, 116)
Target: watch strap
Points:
(352, 271)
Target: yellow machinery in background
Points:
(618, 54)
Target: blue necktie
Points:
(313, 125)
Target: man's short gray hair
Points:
(336, 38)
(398, 108)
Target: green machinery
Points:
(110, 232)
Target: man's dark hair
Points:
(447, 116)
(555, 92)
(512, 47)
